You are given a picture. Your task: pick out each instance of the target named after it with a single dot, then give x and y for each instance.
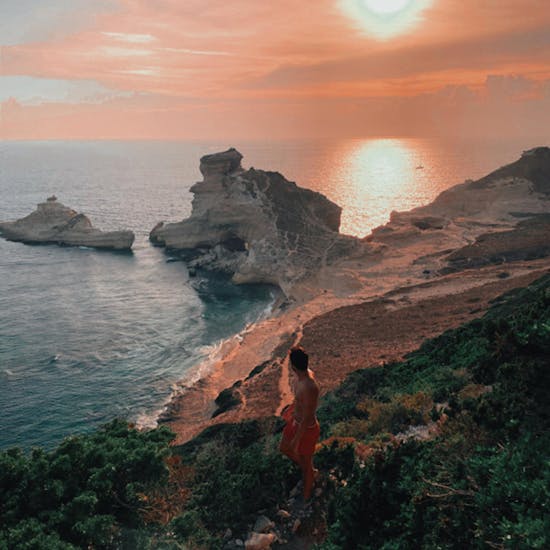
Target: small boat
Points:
(420, 167)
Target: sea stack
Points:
(256, 225)
(55, 223)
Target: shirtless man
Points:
(301, 431)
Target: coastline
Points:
(425, 271)
(443, 303)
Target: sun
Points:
(385, 19)
(386, 7)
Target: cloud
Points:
(129, 37)
(484, 53)
(173, 68)
(31, 90)
(195, 52)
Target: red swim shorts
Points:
(309, 438)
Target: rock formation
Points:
(52, 222)
(256, 225)
(502, 217)
(515, 190)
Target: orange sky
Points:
(205, 69)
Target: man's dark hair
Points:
(299, 358)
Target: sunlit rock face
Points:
(256, 225)
(501, 198)
(521, 187)
(502, 217)
(53, 222)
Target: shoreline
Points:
(405, 282)
(267, 342)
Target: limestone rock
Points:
(256, 225)
(221, 163)
(522, 186)
(498, 200)
(55, 223)
(527, 241)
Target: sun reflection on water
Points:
(377, 176)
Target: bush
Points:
(483, 481)
(84, 491)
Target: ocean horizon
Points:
(87, 336)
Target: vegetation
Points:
(483, 481)
(448, 449)
(85, 493)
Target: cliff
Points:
(499, 218)
(256, 225)
(55, 223)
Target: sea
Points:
(87, 336)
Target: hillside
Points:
(448, 448)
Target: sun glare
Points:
(385, 19)
(386, 6)
(375, 176)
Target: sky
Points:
(249, 69)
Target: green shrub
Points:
(82, 492)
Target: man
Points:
(301, 431)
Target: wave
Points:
(212, 355)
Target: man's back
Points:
(306, 398)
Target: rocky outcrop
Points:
(529, 240)
(256, 225)
(520, 187)
(493, 203)
(55, 223)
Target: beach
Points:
(427, 270)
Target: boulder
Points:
(259, 541)
(55, 223)
(222, 164)
(263, 524)
(429, 222)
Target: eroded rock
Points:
(55, 223)
(256, 225)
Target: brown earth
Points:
(384, 331)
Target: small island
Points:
(54, 223)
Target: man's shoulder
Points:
(312, 385)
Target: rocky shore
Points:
(425, 271)
(55, 223)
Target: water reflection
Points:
(377, 176)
